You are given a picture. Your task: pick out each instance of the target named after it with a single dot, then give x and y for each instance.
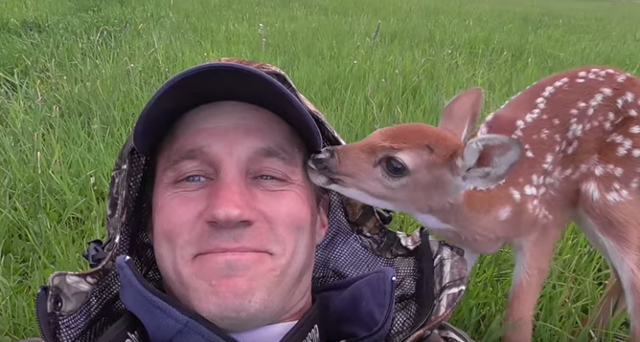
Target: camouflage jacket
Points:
(430, 276)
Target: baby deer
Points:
(565, 149)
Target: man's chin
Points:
(231, 304)
(232, 288)
(230, 265)
(224, 290)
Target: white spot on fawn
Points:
(515, 194)
(573, 147)
(616, 137)
(616, 170)
(547, 161)
(635, 129)
(504, 213)
(629, 96)
(574, 131)
(591, 188)
(621, 151)
(617, 196)
(529, 190)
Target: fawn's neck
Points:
(480, 220)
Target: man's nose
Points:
(229, 204)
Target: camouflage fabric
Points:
(81, 305)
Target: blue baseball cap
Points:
(220, 81)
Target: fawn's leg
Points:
(472, 259)
(533, 258)
(617, 227)
(611, 304)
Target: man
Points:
(215, 233)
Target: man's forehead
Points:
(275, 138)
(227, 111)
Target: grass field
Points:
(75, 73)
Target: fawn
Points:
(565, 149)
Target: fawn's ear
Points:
(461, 113)
(488, 159)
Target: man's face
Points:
(235, 218)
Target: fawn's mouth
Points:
(323, 177)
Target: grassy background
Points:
(75, 73)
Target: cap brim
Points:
(212, 82)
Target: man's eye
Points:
(267, 177)
(195, 178)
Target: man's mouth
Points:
(232, 250)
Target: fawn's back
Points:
(581, 137)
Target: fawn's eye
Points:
(394, 167)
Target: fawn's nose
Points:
(323, 160)
(325, 153)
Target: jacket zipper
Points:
(422, 322)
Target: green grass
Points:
(75, 73)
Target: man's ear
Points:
(149, 190)
(149, 229)
(488, 159)
(322, 223)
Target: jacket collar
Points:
(358, 308)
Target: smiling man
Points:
(215, 233)
(235, 219)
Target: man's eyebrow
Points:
(194, 153)
(285, 155)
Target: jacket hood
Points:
(431, 275)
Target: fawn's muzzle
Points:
(323, 161)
